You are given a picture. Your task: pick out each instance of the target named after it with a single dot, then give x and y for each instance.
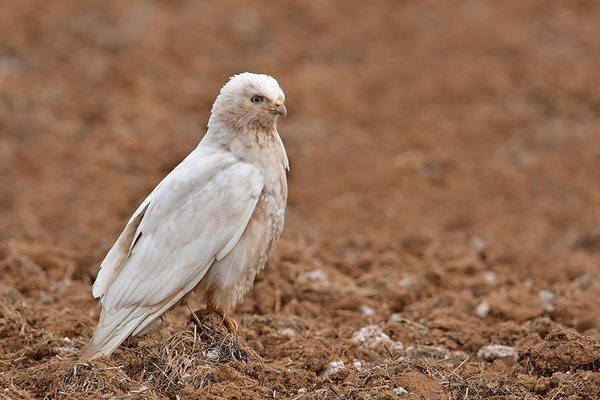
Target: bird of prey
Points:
(208, 227)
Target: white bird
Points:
(208, 227)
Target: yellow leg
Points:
(228, 322)
(201, 315)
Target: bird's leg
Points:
(202, 314)
(229, 323)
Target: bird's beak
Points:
(279, 108)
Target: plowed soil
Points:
(444, 195)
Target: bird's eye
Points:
(256, 99)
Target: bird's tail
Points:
(113, 328)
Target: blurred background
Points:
(443, 154)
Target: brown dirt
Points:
(444, 188)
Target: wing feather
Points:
(196, 215)
(118, 253)
(195, 229)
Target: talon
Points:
(199, 316)
(202, 315)
(228, 322)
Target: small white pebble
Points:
(332, 368)
(408, 283)
(483, 309)
(66, 339)
(396, 317)
(212, 354)
(289, 332)
(314, 275)
(301, 390)
(366, 310)
(490, 276)
(372, 336)
(479, 242)
(547, 298)
(490, 353)
(400, 390)
(66, 350)
(357, 365)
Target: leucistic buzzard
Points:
(208, 227)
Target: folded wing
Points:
(195, 215)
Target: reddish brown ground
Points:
(445, 156)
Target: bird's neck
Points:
(257, 143)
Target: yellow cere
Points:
(278, 102)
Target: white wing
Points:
(195, 215)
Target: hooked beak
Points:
(279, 108)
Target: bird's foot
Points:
(228, 322)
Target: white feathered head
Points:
(248, 99)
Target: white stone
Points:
(408, 283)
(483, 309)
(479, 242)
(357, 365)
(366, 310)
(490, 353)
(66, 350)
(396, 317)
(332, 368)
(490, 276)
(289, 332)
(400, 391)
(314, 275)
(547, 298)
(212, 354)
(372, 336)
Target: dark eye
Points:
(256, 99)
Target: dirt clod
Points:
(563, 350)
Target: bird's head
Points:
(249, 100)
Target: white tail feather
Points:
(113, 329)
